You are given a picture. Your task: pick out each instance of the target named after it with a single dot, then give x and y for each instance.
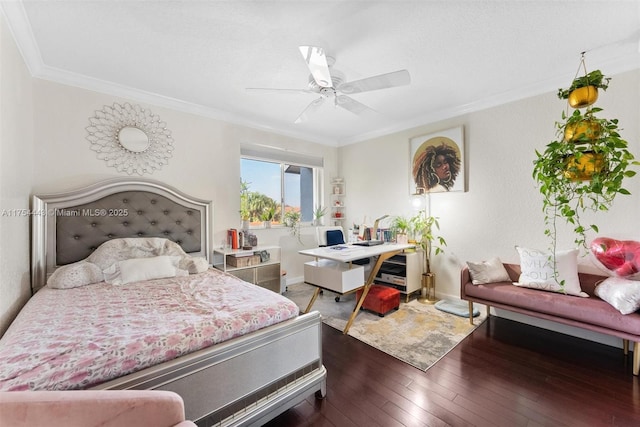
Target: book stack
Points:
(233, 238)
(385, 234)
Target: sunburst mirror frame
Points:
(112, 127)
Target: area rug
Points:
(417, 333)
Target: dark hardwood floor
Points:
(504, 374)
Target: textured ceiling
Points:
(199, 56)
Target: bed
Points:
(229, 372)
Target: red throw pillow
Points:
(619, 257)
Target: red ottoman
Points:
(380, 299)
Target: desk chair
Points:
(329, 235)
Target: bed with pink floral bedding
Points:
(128, 302)
(76, 338)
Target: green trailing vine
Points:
(558, 169)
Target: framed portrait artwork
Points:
(437, 162)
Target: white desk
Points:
(349, 253)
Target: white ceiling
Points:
(199, 56)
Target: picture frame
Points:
(437, 162)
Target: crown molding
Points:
(16, 17)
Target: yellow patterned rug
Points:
(417, 333)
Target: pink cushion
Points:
(586, 310)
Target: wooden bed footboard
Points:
(244, 381)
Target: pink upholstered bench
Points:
(380, 299)
(593, 313)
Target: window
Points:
(271, 186)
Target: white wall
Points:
(16, 149)
(502, 206)
(205, 162)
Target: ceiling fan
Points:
(330, 83)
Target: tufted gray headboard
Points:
(68, 227)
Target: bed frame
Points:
(244, 381)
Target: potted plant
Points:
(318, 213)
(582, 170)
(291, 220)
(245, 214)
(267, 216)
(584, 89)
(423, 227)
(400, 227)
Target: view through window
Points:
(270, 189)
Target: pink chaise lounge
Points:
(590, 313)
(92, 408)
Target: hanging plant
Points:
(584, 89)
(583, 172)
(291, 220)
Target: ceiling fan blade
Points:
(352, 105)
(277, 90)
(311, 108)
(317, 63)
(382, 81)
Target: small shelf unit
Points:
(403, 272)
(262, 273)
(337, 201)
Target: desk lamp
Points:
(375, 225)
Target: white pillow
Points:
(74, 275)
(490, 271)
(137, 269)
(622, 294)
(537, 271)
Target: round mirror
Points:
(133, 139)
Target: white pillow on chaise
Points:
(537, 271)
(490, 271)
(622, 294)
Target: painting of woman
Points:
(437, 164)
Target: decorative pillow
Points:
(194, 265)
(490, 271)
(137, 269)
(617, 257)
(537, 271)
(112, 251)
(74, 275)
(116, 250)
(623, 294)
